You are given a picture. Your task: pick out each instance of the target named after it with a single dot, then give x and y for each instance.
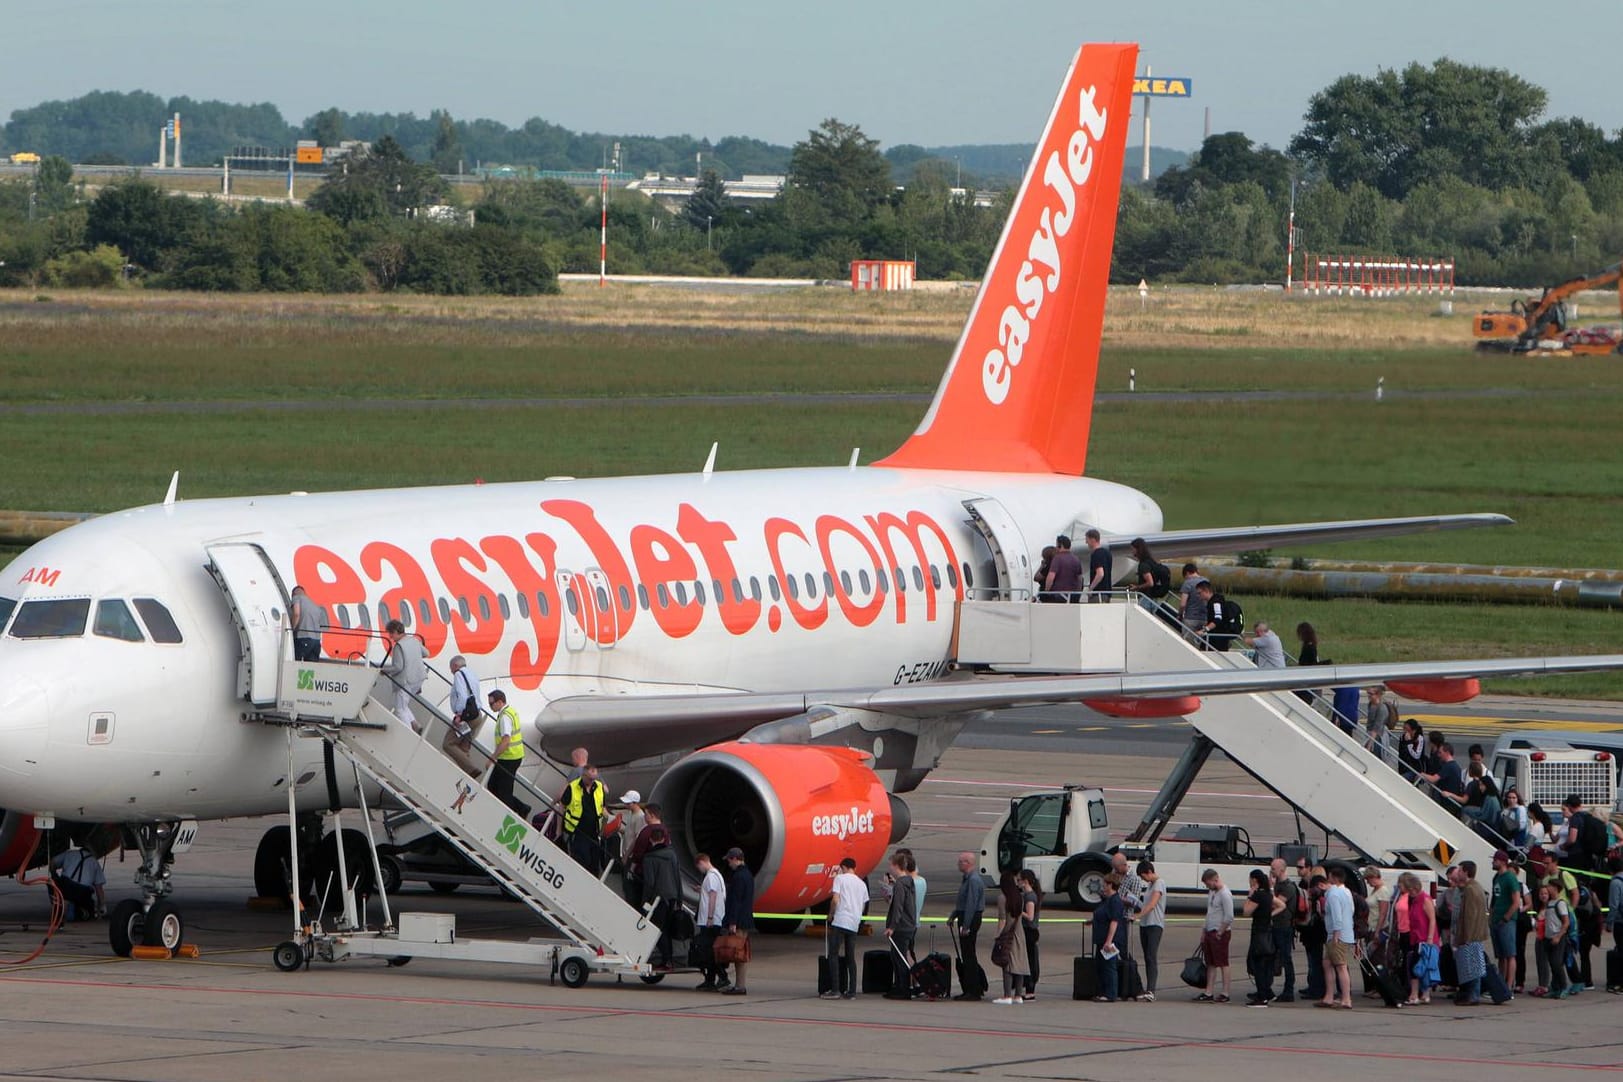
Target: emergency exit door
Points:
(259, 604)
(1003, 536)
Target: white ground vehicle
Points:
(1547, 772)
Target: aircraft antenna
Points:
(855, 451)
(710, 463)
(174, 484)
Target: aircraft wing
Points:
(657, 725)
(1223, 539)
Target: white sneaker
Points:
(1147, 997)
(1004, 1001)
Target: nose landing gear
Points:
(154, 920)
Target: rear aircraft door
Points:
(259, 603)
(605, 626)
(1010, 557)
(577, 608)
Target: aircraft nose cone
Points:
(24, 723)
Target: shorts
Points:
(1504, 940)
(1338, 953)
(1216, 945)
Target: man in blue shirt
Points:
(1109, 940)
(1338, 952)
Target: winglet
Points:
(1018, 393)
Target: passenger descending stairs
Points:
(414, 770)
(1305, 758)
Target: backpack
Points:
(1233, 618)
(1160, 579)
(1591, 834)
(1304, 909)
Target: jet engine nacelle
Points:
(795, 810)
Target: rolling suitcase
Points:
(1614, 968)
(876, 972)
(1379, 978)
(1494, 984)
(825, 968)
(1084, 977)
(971, 977)
(932, 976)
(1132, 984)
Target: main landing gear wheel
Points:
(573, 972)
(357, 863)
(394, 873)
(271, 866)
(164, 926)
(651, 978)
(288, 956)
(126, 926)
(1088, 889)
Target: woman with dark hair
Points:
(1540, 828)
(1010, 944)
(1261, 905)
(1412, 748)
(1152, 580)
(1041, 577)
(1307, 653)
(1031, 909)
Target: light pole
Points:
(1575, 247)
(707, 232)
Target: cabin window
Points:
(918, 579)
(343, 616)
(681, 593)
(424, 610)
(698, 591)
(811, 587)
(445, 611)
(952, 576)
(969, 578)
(364, 615)
(664, 596)
(574, 605)
(771, 585)
(935, 576)
(503, 607)
(523, 605)
(794, 589)
(625, 596)
(881, 580)
(845, 582)
(462, 607)
(755, 588)
(7, 604)
(51, 619)
(738, 591)
(542, 606)
(484, 607)
(160, 625)
(602, 596)
(718, 593)
(828, 585)
(115, 621)
(901, 581)
(405, 612)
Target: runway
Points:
(78, 1013)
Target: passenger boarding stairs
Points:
(1283, 742)
(344, 704)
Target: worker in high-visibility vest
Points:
(509, 753)
(584, 801)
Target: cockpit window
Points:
(160, 625)
(6, 605)
(115, 621)
(51, 619)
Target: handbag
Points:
(1194, 969)
(1000, 950)
(732, 948)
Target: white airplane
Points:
(653, 619)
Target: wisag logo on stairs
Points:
(511, 834)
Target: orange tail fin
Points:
(1023, 402)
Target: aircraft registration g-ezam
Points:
(777, 655)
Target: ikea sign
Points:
(1158, 87)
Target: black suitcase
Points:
(971, 977)
(1614, 968)
(825, 976)
(1379, 978)
(1084, 977)
(1493, 983)
(1131, 984)
(932, 976)
(876, 972)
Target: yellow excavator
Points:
(1542, 324)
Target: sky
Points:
(932, 72)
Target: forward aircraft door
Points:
(258, 601)
(1010, 557)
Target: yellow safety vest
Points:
(507, 724)
(575, 798)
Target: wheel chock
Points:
(163, 954)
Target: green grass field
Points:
(1543, 448)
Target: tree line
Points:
(1446, 160)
